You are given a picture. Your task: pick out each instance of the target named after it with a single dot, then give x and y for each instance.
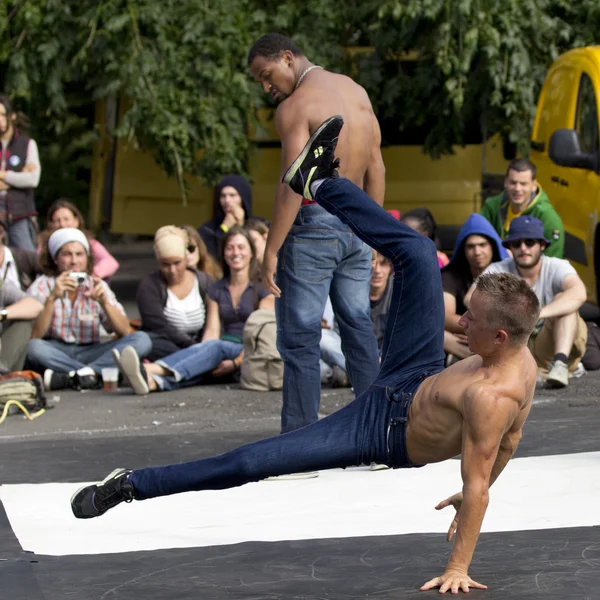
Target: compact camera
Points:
(78, 277)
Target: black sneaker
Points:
(316, 161)
(56, 381)
(85, 382)
(94, 500)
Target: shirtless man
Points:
(414, 413)
(318, 255)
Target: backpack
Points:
(262, 367)
(24, 391)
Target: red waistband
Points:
(306, 201)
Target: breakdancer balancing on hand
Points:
(414, 413)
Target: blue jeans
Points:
(190, 364)
(21, 234)
(321, 256)
(371, 428)
(63, 358)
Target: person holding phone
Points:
(65, 342)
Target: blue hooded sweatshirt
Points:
(456, 276)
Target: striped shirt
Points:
(77, 322)
(185, 314)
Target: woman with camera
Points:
(65, 342)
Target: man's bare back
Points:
(324, 94)
(435, 420)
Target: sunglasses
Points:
(528, 242)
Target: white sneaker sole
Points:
(130, 363)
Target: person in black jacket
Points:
(232, 206)
(172, 299)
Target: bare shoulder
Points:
(485, 403)
(289, 113)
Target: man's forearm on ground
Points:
(472, 511)
(285, 209)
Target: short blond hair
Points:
(513, 305)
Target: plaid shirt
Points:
(77, 322)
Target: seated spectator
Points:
(421, 220)
(230, 302)
(258, 231)
(559, 340)
(172, 300)
(381, 297)
(523, 196)
(18, 266)
(66, 347)
(64, 213)
(477, 246)
(232, 206)
(17, 312)
(198, 256)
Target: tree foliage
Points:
(179, 69)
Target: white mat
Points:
(533, 493)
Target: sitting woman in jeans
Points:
(230, 302)
(172, 300)
(66, 345)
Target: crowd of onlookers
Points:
(60, 318)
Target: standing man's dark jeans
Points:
(372, 427)
(321, 257)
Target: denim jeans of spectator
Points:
(321, 256)
(190, 365)
(21, 234)
(366, 430)
(63, 358)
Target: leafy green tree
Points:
(443, 71)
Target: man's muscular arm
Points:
(375, 175)
(293, 131)
(486, 419)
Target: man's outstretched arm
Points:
(294, 133)
(486, 418)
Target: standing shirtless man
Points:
(414, 413)
(318, 255)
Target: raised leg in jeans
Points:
(356, 434)
(414, 337)
(189, 365)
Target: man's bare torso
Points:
(324, 94)
(435, 419)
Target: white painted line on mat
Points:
(533, 493)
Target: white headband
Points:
(64, 236)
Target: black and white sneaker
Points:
(94, 500)
(316, 161)
(56, 381)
